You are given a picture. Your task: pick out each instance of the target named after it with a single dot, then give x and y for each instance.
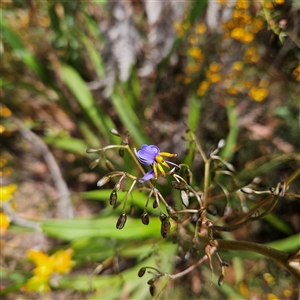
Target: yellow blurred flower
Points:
(193, 68)
(237, 65)
(279, 1)
(186, 24)
(62, 260)
(242, 35)
(7, 191)
(214, 77)
(264, 83)
(296, 73)
(287, 293)
(215, 67)
(44, 264)
(269, 279)
(2, 128)
(203, 87)
(5, 112)
(178, 29)
(37, 284)
(244, 290)
(272, 297)
(251, 55)
(232, 90)
(187, 80)
(193, 39)
(242, 4)
(201, 28)
(258, 94)
(257, 25)
(196, 53)
(268, 4)
(4, 223)
(3, 162)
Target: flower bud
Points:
(155, 205)
(113, 198)
(103, 181)
(94, 164)
(141, 272)
(109, 165)
(121, 221)
(145, 218)
(165, 228)
(162, 217)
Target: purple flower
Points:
(151, 156)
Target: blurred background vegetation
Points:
(72, 70)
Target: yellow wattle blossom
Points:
(264, 83)
(258, 94)
(242, 35)
(272, 297)
(196, 53)
(244, 290)
(279, 1)
(201, 28)
(193, 68)
(251, 55)
(237, 65)
(257, 25)
(215, 67)
(203, 87)
(193, 39)
(7, 191)
(296, 73)
(232, 90)
(5, 112)
(4, 223)
(242, 4)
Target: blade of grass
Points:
(75, 83)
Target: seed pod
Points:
(165, 228)
(184, 198)
(103, 181)
(152, 290)
(178, 185)
(121, 152)
(172, 213)
(211, 209)
(155, 205)
(113, 198)
(151, 281)
(109, 165)
(221, 280)
(163, 217)
(145, 218)
(141, 272)
(121, 221)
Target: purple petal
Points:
(147, 154)
(149, 175)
